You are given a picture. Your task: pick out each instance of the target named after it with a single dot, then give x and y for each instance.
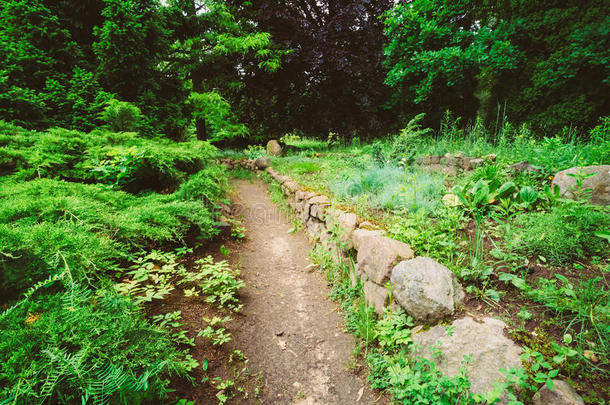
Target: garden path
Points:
(290, 331)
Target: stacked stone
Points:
(427, 291)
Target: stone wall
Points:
(427, 290)
(450, 163)
(424, 288)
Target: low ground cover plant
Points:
(77, 208)
(510, 236)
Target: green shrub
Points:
(120, 167)
(122, 116)
(82, 346)
(46, 222)
(566, 232)
(119, 159)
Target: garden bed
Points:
(541, 265)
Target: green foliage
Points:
(119, 168)
(478, 197)
(583, 307)
(120, 159)
(216, 111)
(77, 345)
(390, 188)
(433, 61)
(566, 232)
(47, 221)
(392, 331)
(402, 144)
(432, 236)
(217, 335)
(122, 116)
(301, 143)
(407, 378)
(524, 60)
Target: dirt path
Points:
(289, 330)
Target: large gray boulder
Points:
(378, 254)
(274, 148)
(427, 290)
(599, 183)
(562, 394)
(484, 341)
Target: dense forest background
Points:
(359, 67)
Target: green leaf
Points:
(528, 195)
(506, 189)
(493, 294)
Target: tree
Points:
(333, 71)
(546, 63)
(440, 52)
(211, 46)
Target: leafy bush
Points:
(120, 159)
(433, 236)
(119, 168)
(29, 154)
(46, 222)
(402, 144)
(79, 346)
(122, 116)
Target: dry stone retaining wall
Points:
(424, 288)
(428, 291)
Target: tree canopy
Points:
(354, 67)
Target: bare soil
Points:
(289, 330)
(292, 335)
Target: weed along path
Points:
(289, 330)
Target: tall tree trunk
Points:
(200, 124)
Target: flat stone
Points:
(315, 227)
(262, 163)
(367, 225)
(378, 254)
(465, 163)
(524, 166)
(317, 206)
(376, 296)
(562, 394)
(475, 163)
(360, 234)
(344, 226)
(449, 170)
(450, 160)
(332, 215)
(484, 341)
(598, 183)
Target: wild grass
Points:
(390, 188)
